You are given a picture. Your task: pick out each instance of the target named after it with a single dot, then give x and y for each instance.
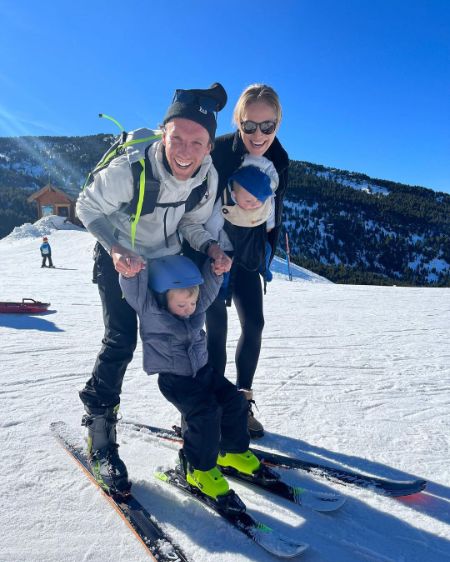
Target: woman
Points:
(257, 116)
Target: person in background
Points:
(257, 116)
(170, 297)
(46, 253)
(131, 225)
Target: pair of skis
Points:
(383, 486)
(159, 544)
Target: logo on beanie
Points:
(203, 110)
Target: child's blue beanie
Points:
(253, 180)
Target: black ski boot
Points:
(107, 467)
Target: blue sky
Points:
(365, 84)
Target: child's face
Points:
(244, 198)
(181, 303)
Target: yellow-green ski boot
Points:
(210, 482)
(245, 463)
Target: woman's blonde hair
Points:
(252, 94)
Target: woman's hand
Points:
(222, 262)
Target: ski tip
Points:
(276, 544)
(60, 430)
(328, 506)
(301, 548)
(161, 476)
(318, 501)
(400, 492)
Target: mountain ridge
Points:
(343, 225)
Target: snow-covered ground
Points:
(352, 375)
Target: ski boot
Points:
(255, 428)
(245, 463)
(210, 482)
(107, 467)
(211, 487)
(246, 466)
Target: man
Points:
(132, 226)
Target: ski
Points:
(269, 480)
(156, 541)
(383, 486)
(233, 510)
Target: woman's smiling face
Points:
(258, 143)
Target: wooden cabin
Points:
(52, 201)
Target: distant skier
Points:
(170, 298)
(46, 253)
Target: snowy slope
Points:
(280, 266)
(352, 375)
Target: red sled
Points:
(27, 306)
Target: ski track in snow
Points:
(351, 375)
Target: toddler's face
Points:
(244, 198)
(181, 303)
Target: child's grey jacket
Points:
(171, 344)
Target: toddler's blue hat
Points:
(173, 272)
(253, 180)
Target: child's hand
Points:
(222, 262)
(126, 261)
(218, 268)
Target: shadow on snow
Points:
(29, 322)
(434, 501)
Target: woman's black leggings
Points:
(248, 299)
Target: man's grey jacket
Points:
(102, 206)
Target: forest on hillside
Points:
(344, 225)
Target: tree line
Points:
(344, 225)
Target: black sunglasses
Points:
(266, 127)
(204, 102)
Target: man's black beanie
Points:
(200, 106)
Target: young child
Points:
(46, 253)
(171, 297)
(245, 214)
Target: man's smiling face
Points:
(186, 143)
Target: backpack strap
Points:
(146, 187)
(115, 150)
(109, 155)
(196, 195)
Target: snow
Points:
(359, 184)
(279, 266)
(357, 376)
(42, 227)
